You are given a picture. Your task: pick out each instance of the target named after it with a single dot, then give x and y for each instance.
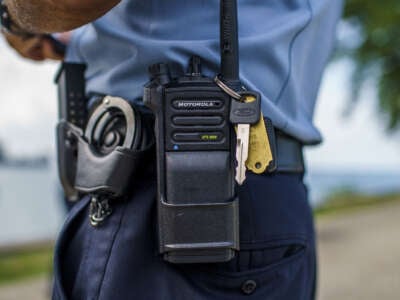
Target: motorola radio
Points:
(198, 211)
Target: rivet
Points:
(249, 286)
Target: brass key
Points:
(260, 153)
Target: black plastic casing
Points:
(198, 213)
(72, 103)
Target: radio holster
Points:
(197, 207)
(198, 210)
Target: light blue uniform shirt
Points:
(284, 46)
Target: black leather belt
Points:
(287, 151)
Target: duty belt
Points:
(287, 152)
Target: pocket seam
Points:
(59, 285)
(274, 240)
(270, 268)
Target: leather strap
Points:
(287, 151)
(289, 154)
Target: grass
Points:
(348, 200)
(25, 262)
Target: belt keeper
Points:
(286, 150)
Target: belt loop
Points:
(287, 151)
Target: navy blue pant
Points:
(119, 260)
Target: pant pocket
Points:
(63, 280)
(270, 270)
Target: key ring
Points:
(227, 89)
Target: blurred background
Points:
(353, 177)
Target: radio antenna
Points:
(229, 43)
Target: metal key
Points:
(244, 113)
(242, 151)
(260, 151)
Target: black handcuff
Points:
(117, 143)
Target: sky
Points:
(358, 141)
(28, 116)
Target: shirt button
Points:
(249, 286)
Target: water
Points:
(31, 208)
(323, 183)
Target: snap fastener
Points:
(249, 286)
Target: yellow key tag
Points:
(260, 153)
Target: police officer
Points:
(284, 46)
